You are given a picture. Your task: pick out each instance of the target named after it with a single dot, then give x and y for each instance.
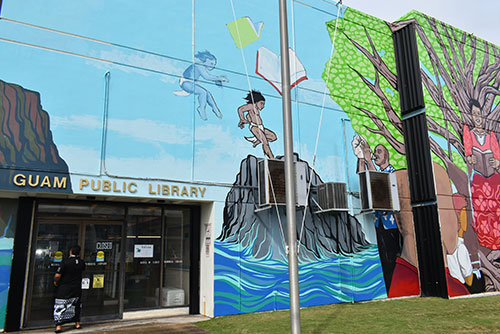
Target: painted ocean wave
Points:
(246, 284)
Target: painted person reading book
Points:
(250, 114)
(483, 155)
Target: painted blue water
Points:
(244, 284)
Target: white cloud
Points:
(217, 157)
(141, 63)
(317, 85)
(151, 131)
(87, 161)
(162, 166)
(80, 159)
(220, 160)
(315, 94)
(76, 121)
(139, 129)
(330, 168)
(221, 142)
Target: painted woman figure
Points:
(483, 155)
(205, 62)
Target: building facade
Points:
(152, 136)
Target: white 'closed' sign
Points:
(104, 245)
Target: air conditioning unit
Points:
(172, 297)
(379, 191)
(332, 196)
(271, 174)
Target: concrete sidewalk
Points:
(174, 325)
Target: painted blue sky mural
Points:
(146, 52)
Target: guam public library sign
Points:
(23, 181)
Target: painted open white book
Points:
(269, 68)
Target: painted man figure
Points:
(261, 135)
(389, 238)
(365, 156)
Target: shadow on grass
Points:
(412, 315)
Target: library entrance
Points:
(138, 257)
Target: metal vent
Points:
(378, 191)
(271, 175)
(332, 195)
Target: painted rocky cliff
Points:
(325, 234)
(26, 144)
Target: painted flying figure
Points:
(261, 135)
(205, 62)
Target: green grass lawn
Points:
(412, 315)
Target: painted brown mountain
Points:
(26, 144)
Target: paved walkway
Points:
(174, 325)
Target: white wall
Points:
(207, 259)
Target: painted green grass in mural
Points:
(413, 315)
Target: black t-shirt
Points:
(70, 284)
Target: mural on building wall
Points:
(175, 106)
(364, 64)
(389, 237)
(461, 76)
(8, 213)
(336, 262)
(461, 79)
(27, 143)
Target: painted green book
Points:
(244, 31)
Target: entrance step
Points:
(174, 325)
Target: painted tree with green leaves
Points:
(456, 67)
(361, 78)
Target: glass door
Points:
(177, 258)
(101, 279)
(98, 230)
(142, 263)
(138, 257)
(53, 240)
(158, 258)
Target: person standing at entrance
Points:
(68, 283)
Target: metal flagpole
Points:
(293, 270)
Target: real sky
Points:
(477, 17)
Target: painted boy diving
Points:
(261, 135)
(205, 62)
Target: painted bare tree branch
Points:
(382, 130)
(376, 60)
(389, 110)
(453, 59)
(460, 71)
